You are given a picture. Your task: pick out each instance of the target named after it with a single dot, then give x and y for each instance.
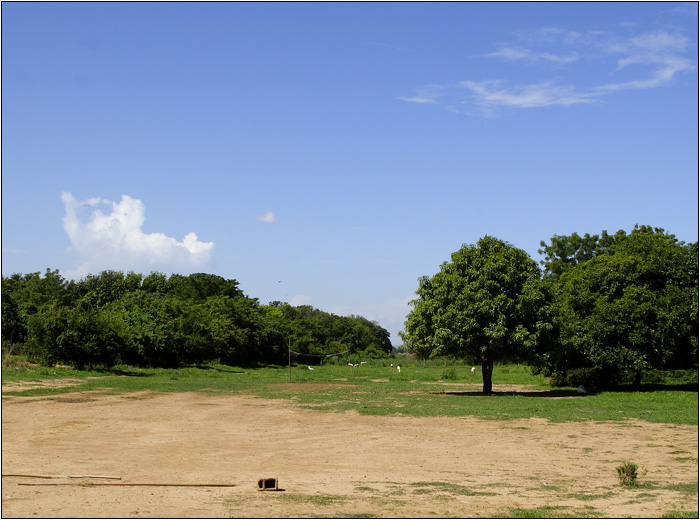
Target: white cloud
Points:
(425, 94)
(268, 217)
(490, 93)
(649, 60)
(527, 55)
(301, 299)
(116, 241)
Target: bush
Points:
(590, 378)
(449, 374)
(627, 473)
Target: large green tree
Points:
(488, 304)
(631, 308)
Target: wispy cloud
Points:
(267, 218)
(115, 240)
(425, 94)
(531, 56)
(646, 60)
(492, 93)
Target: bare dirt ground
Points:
(327, 465)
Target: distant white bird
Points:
(581, 389)
(473, 370)
(398, 369)
(311, 368)
(349, 364)
(356, 365)
(363, 362)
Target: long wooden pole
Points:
(86, 484)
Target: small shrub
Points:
(450, 373)
(627, 473)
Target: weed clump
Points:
(449, 374)
(627, 473)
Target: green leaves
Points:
(485, 304)
(630, 307)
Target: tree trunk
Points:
(486, 371)
(637, 379)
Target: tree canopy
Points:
(488, 304)
(116, 318)
(630, 308)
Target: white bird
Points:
(581, 389)
(363, 362)
(356, 365)
(473, 370)
(349, 364)
(311, 368)
(398, 369)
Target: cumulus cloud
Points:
(647, 60)
(115, 240)
(267, 218)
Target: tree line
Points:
(602, 306)
(113, 318)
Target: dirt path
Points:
(327, 464)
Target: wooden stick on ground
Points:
(95, 476)
(71, 476)
(88, 484)
(27, 476)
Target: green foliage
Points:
(449, 374)
(629, 308)
(627, 473)
(156, 321)
(488, 304)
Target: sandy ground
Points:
(325, 464)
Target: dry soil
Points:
(325, 464)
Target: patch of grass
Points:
(414, 392)
(317, 500)
(446, 487)
(686, 459)
(552, 512)
(585, 498)
(690, 488)
(681, 514)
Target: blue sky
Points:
(331, 154)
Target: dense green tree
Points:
(630, 309)
(159, 321)
(96, 291)
(487, 304)
(75, 336)
(566, 251)
(200, 286)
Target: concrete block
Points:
(268, 484)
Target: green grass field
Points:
(376, 389)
